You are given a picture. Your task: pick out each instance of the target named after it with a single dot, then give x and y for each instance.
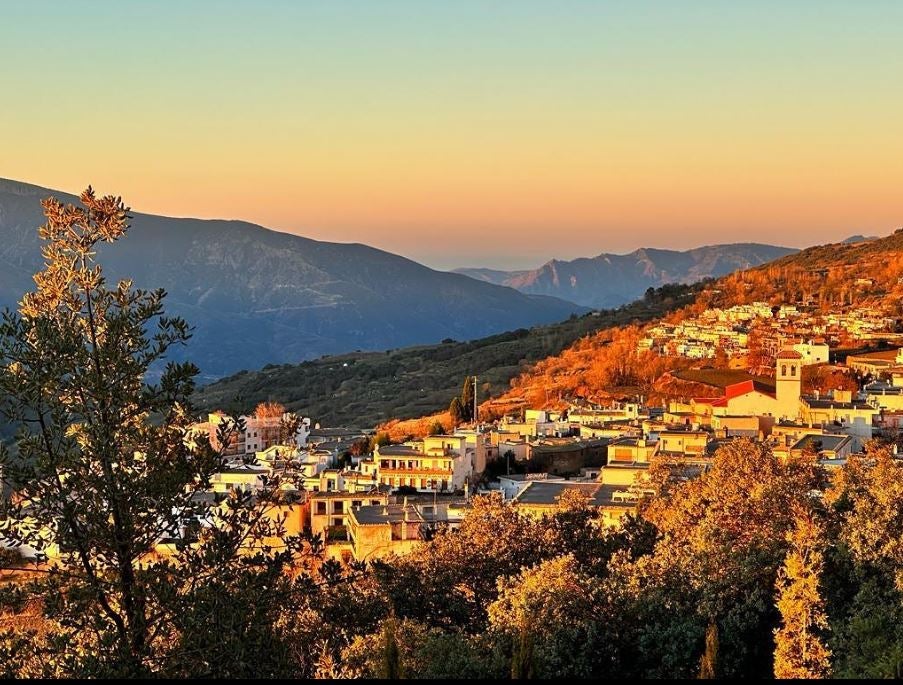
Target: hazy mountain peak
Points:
(609, 280)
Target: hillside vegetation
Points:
(368, 388)
(826, 276)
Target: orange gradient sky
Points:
(461, 134)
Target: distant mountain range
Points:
(610, 280)
(257, 296)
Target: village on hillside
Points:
(367, 498)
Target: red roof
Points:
(789, 354)
(737, 389)
(734, 390)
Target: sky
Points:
(499, 133)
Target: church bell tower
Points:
(788, 383)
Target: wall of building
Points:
(623, 475)
(566, 460)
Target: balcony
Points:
(415, 472)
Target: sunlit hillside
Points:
(608, 363)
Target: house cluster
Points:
(884, 389)
(731, 329)
(362, 505)
(387, 501)
(686, 434)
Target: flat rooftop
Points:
(835, 404)
(401, 451)
(381, 514)
(539, 493)
(829, 442)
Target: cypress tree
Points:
(455, 411)
(391, 663)
(467, 399)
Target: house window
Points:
(321, 508)
(793, 371)
(783, 369)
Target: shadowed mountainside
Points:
(364, 389)
(257, 296)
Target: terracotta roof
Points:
(789, 354)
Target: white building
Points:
(813, 353)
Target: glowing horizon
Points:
(470, 134)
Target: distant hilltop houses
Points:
(367, 498)
(736, 330)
